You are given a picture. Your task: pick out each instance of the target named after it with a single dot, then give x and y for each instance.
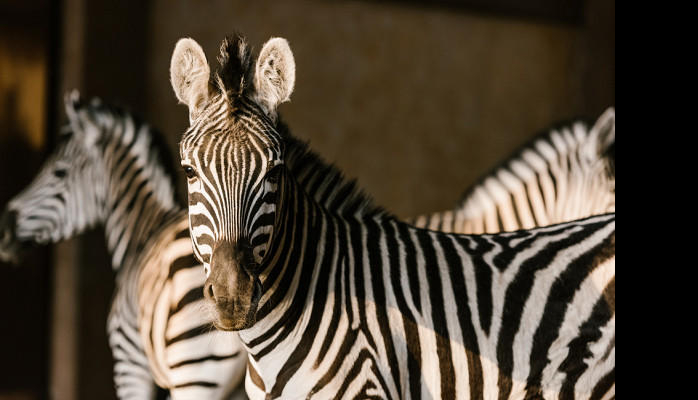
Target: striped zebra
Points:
(111, 169)
(349, 302)
(564, 174)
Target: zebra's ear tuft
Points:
(275, 75)
(604, 130)
(80, 119)
(190, 75)
(72, 101)
(236, 65)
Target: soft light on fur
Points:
(190, 74)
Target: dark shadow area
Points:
(25, 290)
(555, 11)
(114, 61)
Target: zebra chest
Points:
(344, 373)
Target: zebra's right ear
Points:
(275, 75)
(605, 131)
(190, 74)
(83, 126)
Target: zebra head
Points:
(233, 157)
(58, 203)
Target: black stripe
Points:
(196, 383)
(529, 201)
(184, 233)
(519, 291)
(375, 262)
(409, 323)
(441, 334)
(515, 207)
(316, 313)
(341, 265)
(120, 333)
(411, 264)
(604, 385)
(191, 333)
(590, 331)
(204, 359)
(184, 262)
(559, 298)
(465, 318)
(295, 310)
(355, 229)
(483, 281)
(191, 296)
(353, 372)
(348, 342)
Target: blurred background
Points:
(416, 99)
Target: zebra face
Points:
(232, 180)
(64, 197)
(233, 157)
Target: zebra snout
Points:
(9, 246)
(216, 293)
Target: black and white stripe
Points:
(355, 304)
(564, 174)
(111, 169)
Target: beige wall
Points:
(414, 102)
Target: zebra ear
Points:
(189, 75)
(275, 75)
(605, 131)
(83, 126)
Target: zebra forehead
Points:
(240, 135)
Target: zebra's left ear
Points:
(605, 131)
(275, 75)
(82, 125)
(189, 75)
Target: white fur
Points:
(189, 75)
(275, 75)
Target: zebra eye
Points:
(273, 175)
(60, 173)
(189, 172)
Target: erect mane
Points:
(234, 76)
(545, 135)
(343, 196)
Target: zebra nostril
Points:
(208, 291)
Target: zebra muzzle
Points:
(233, 290)
(10, 246)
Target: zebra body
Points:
(348, 302)
(110, 169)
(564, 174)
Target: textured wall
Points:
(415, 102)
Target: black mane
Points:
(235, 74)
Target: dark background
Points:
(416, 99)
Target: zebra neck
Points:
(289, 277)
(140, 196)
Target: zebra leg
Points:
(132, 381)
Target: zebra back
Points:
(565, 173)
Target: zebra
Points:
(349, 302)
(565, 173)
(110, 168)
